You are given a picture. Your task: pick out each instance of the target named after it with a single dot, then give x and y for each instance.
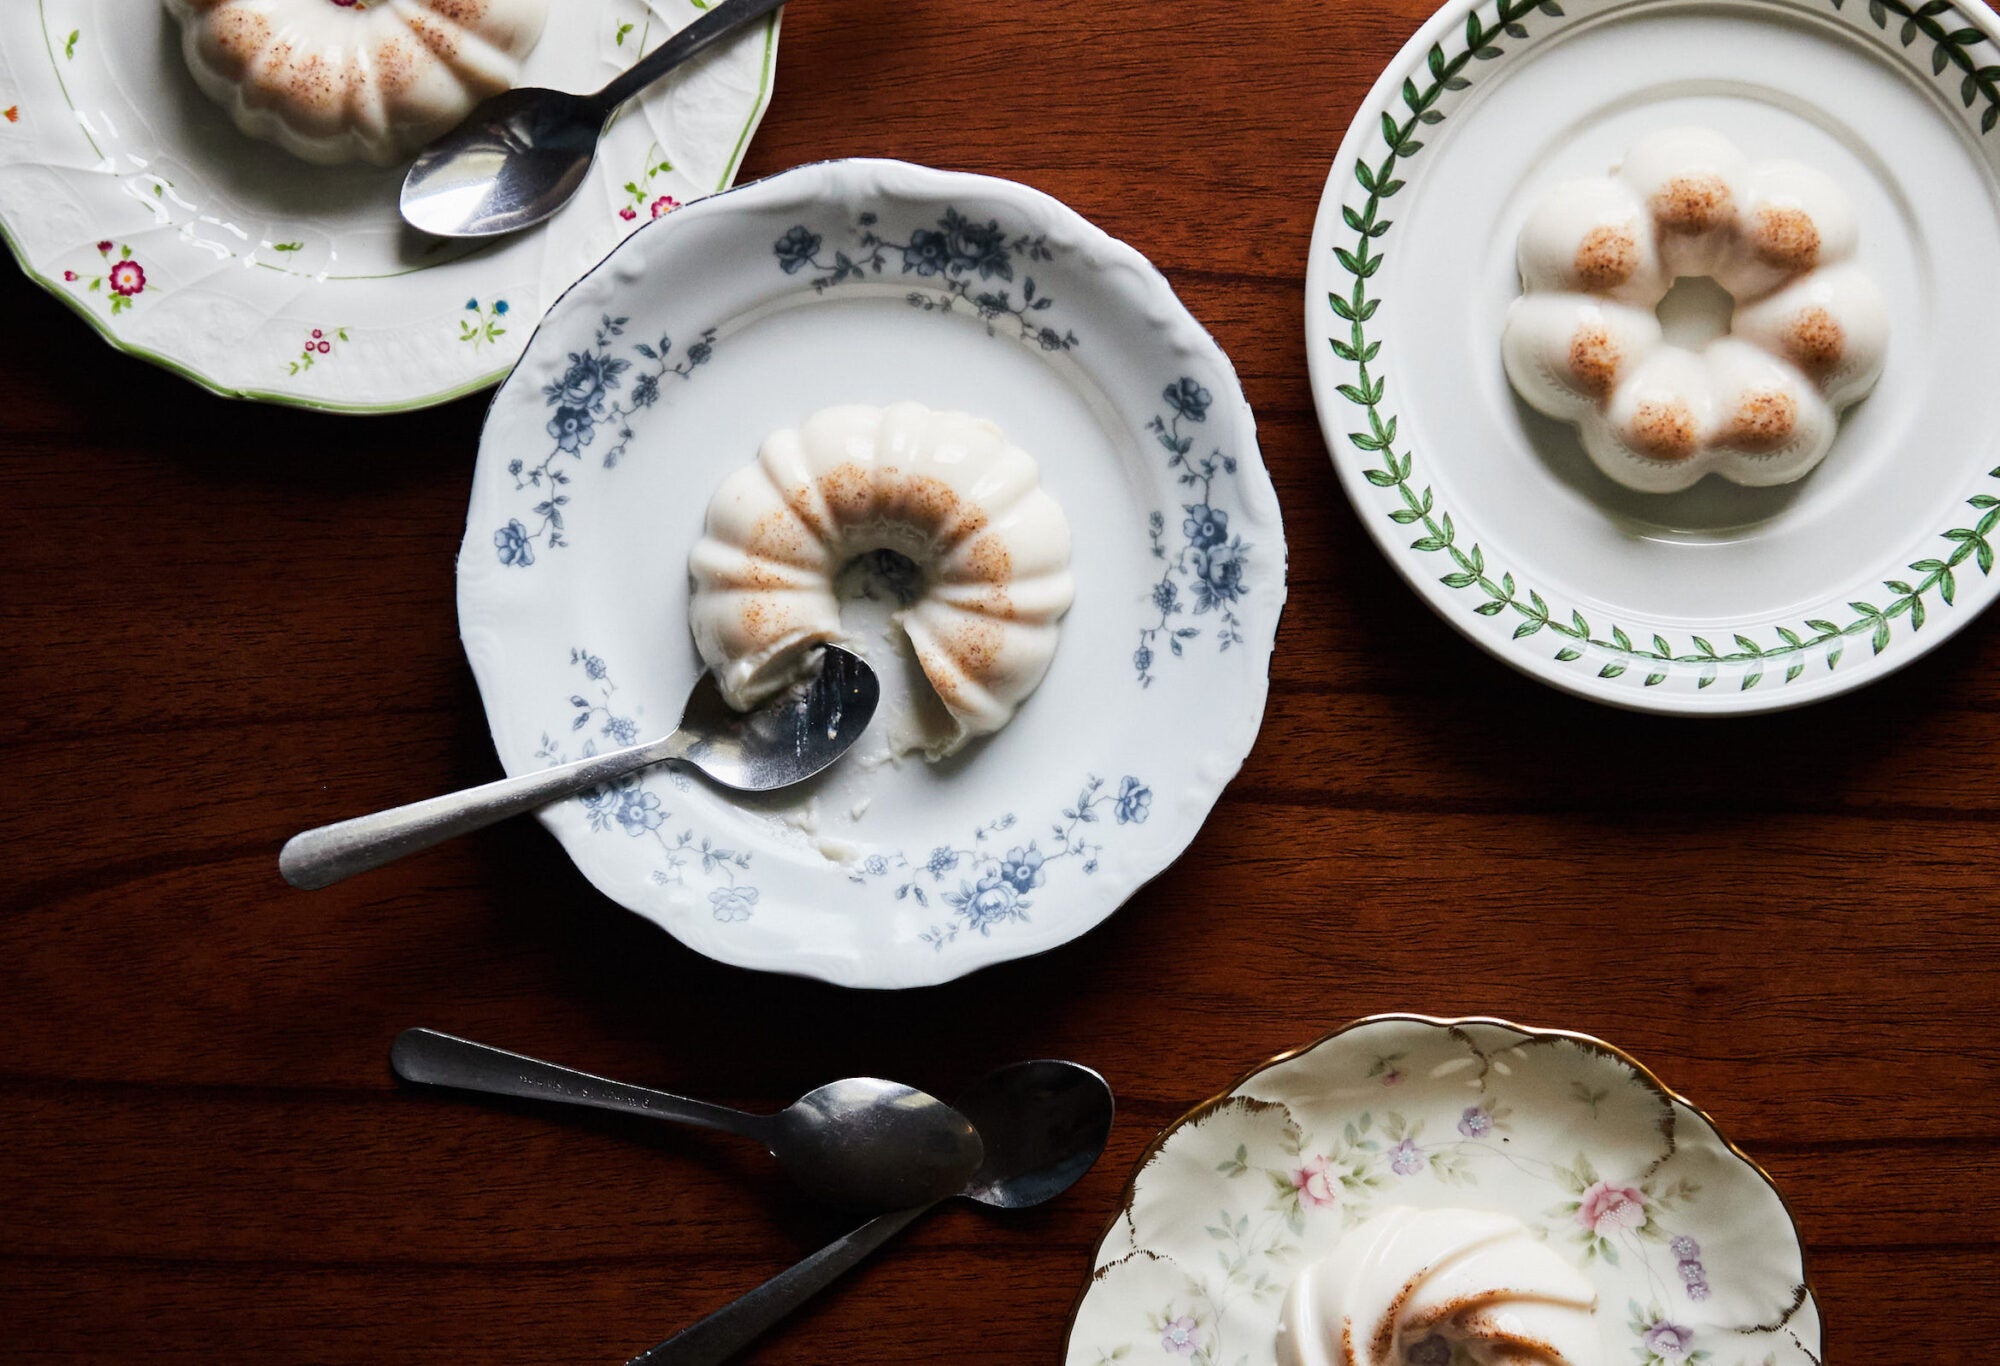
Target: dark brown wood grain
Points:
(225, 623)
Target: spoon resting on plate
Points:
(795, 735)
(519, 156)
(1042, 1123)
(863, 1142)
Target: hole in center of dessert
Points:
(885, 576)
(1695, 312)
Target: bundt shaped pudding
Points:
(355, 80)
(1759, 406)
(943, 489)
(1454, 1285)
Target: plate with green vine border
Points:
(131, 197)
(1718, 599)
(1691, 1249)
(874, 282)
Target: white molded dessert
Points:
(944, 489)
(1479, 1281)
(1759, 406)
(355, 80)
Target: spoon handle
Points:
(720, 1336)
(326, 855)
(696, 38)
(425, 1055)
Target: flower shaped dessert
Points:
(944, 490)
(337, 80)
(1757, 406)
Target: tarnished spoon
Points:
(787, 740)
(519, 156)
(1043, 1124)
(863, 1142)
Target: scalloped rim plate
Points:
(870, 282)
(1720, 599)
(128, 195)
(1693, 1251)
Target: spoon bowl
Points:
(788, 739)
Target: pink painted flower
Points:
(128, 278)
(104, 248)
(628, 213)
(317, 334)
(1182, 1338)
(1393, 1077)
(70, 275)
(666, 203)
(1607, 1208)
(1317, 1188)
(325, 347)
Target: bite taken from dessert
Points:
(1758, 404)
(335, 81)
(987, 547)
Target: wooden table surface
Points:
(227, 622)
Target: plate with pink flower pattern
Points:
(1689, 1248)
(130, 196)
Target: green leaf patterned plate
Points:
(1690, 1247)
(131, 197)
(1720, 599)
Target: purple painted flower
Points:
(1685, 1248)
(1182, 1337)
(1669, 1340)
(1432, 1351)
(1698, 1291)
(1475, 1122)
(1692, 1272)
(1406, 1158)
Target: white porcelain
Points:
(1718, 598)
(130, 195)
(1403, 1142)
(948, 492)
(335, 81)
(664, 371)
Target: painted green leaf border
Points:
(1364, 259)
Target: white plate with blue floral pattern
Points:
(130, 196)
(872, 282)
(1693, 1253)
(1719, 599)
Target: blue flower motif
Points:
(994, 900)
(699, 353)
(513, 544)
(621, 729)
(1205, 527)
(472, 305)
(973, 247)
(593, 668)
(500, 307)
(1188, 399)
(1022, 869)
(929, 252)
(1135, 802)
(1220, 570)
(796, 249)
(583, 384)
(646, 392)
(732, 904)
(572, 428)
(1166, 597)
(875, 865)
(1142, 659)
(640, 813)
(942, 860)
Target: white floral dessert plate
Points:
(1692, 1252)
(128, 194)
(1719, 599)
(872, 282)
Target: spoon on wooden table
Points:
(1043, 1125)
(790, 738)
(521, 155)
(862, 1142)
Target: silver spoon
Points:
(863, 1142)
(519, 156)
(1043, 1124)
(785, 741)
